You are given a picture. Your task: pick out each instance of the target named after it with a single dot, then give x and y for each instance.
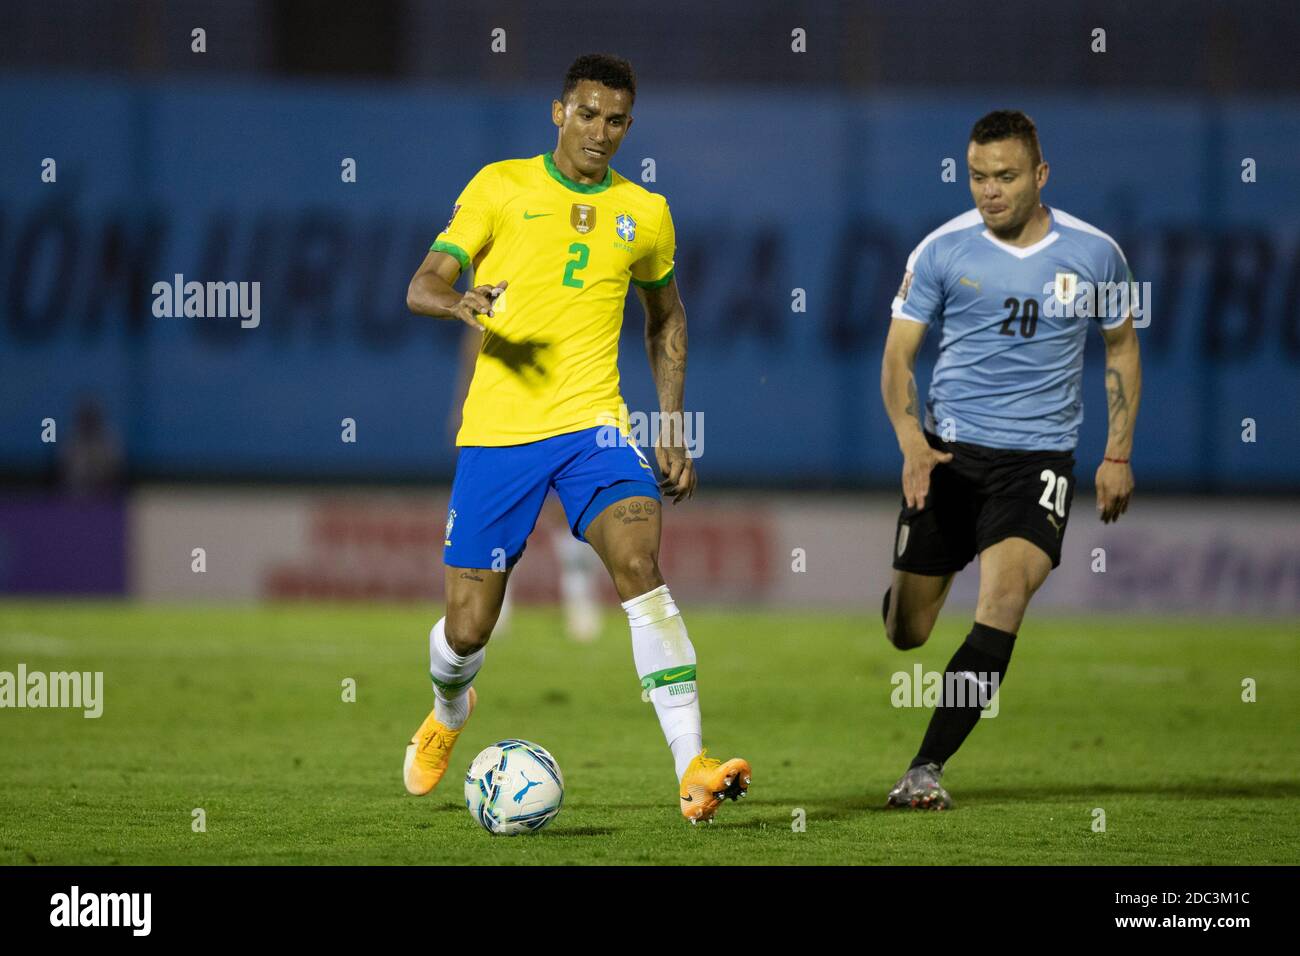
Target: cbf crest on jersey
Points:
(625, 226)
(583, 218)
(1066, 283)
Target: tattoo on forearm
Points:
(674, 356)
(667, 346)
(913, 401)
(1117, 401)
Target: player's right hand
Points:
(678, 472)
(917, 465)
(1114, 483)
(477, 301)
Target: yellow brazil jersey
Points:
(549, 360)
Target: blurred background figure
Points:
(580, 573)
(63, 527)
(90, 461)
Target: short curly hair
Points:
(607, 70)
(1008, 124)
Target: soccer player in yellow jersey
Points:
(552, 243)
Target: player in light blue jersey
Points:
(1013, 287)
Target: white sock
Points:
(686, 748)
(452, 675)
(665, 661)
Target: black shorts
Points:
(981, 497)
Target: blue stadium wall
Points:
(771, 192)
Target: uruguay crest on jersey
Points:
(1064, 288)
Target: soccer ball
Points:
(514, 787)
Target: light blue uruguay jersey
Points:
(1010, 368)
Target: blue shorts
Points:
(498, 491)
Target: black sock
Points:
(986, 651)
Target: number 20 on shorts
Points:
(1061, 485)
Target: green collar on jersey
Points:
(568, 183)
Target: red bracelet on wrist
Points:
(1118, 461)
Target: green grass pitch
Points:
(239, 711)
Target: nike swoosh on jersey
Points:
(536, 215)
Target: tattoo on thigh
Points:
(471, 576)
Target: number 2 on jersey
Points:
(578, 262)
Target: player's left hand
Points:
(1114, 489)
(678, 472)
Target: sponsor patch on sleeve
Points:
(903, 289)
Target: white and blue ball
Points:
(514, 787)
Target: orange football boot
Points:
(707, 782)
(429, 752)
